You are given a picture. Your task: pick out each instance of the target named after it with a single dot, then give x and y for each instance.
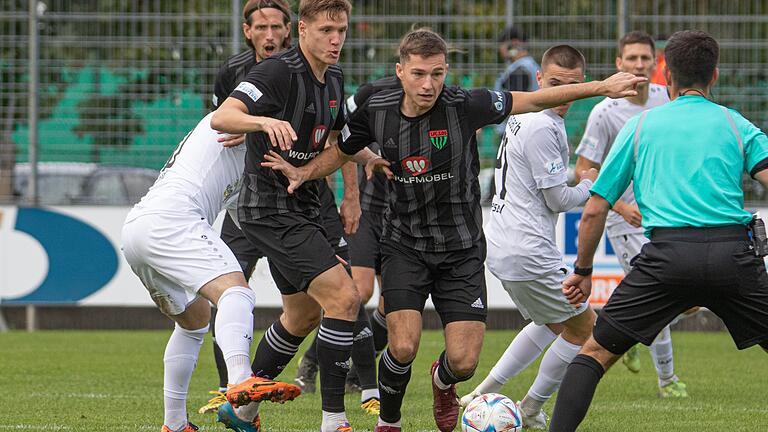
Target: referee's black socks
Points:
(576, 392)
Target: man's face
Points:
(637, 59)
(322, 37)
(267, 31)
(423, 79)
(509, 50)
(553, 75)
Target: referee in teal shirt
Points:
(686, 159)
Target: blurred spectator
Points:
(661, 62)
(520, 73)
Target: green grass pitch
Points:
(112, 381)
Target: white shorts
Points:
(627, 246)
(174, 256)
(541, 300)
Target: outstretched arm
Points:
(619, 85)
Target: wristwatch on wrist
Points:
(582, 271)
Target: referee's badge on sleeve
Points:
(250, 90)
(345, 133)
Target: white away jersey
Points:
(605, 121)
(520, 232)
(202, 176)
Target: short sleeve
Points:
(542, 149)
(618, 169)
(596, 139)
(356, 135)
(265, 89)
(755, 144)
(222, 88)
(486, 107)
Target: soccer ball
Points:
(491, 412)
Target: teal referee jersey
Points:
(686, 159)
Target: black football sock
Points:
(310, 354)
(363, 354)
(275, 351)
(393, 380)
(334, 346)
(576, 392)
(380, 333)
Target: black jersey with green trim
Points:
(285, 88)
(434, 202)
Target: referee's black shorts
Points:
(455, 280)
(365, 244)
(685, 267)
(246, 253)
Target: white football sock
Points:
(661, 352)
(331, 421)
(396, 424)
(369, 394)
(248, 412)
(234, 331)
(524, 350)
(180, 360)
(551, 373)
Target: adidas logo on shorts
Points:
(478, 304)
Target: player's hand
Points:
(590, 174)
(276, 162)
(229, 140)
(281, 133)
(350, 214)
(378, 164)
(577, 289)
(621, 84)
(630, 213)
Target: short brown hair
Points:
(422, 42)
(636, 37)
(564, 56)
(309, 9)
(252, 6)
(692, 57)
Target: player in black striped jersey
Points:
(433, 242)
(267, 30)
(294, 101)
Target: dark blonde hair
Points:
(309, 9)
(252, 6)
(422, 42)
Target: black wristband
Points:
(582, 271)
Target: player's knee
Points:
(463, 366)
(347, 302)
(403, 351)
(301, 323)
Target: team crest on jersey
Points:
(416, 165)
(438, 138)
(318, 133)
(334, 107)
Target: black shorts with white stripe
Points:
(455, 280)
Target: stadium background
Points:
(121, 82)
